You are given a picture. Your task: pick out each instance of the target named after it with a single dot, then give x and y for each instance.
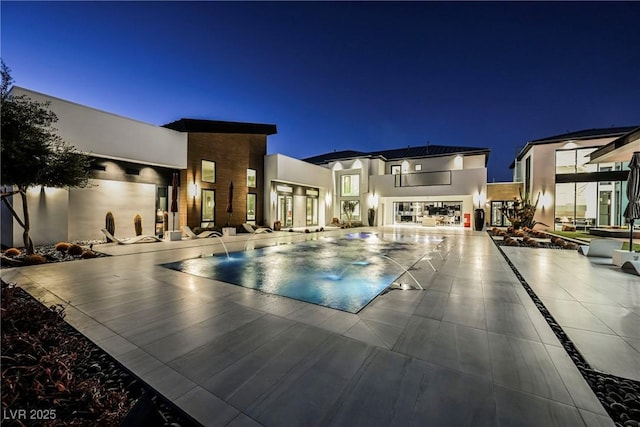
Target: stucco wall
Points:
(48, 216)
(88, 207)
(109, 135)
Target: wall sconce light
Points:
(327, 198)
(274, 198)
(193, 190)
(405, 166)
(458, 162)
(372, 200)
(545, 199)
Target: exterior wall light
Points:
(193, 190)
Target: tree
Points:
(31, 153)
(522, 212)
(349, 206)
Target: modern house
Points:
(132, 170)
(430, 185)
(580, 177)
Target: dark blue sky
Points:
(358, 75)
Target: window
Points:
(251, 208)
(208, 207)
(251, 178)
(350, 185)
(527, 174)
(208, 171)
(395, 170)
(418, 168)
(312, 210)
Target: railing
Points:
(423, 179)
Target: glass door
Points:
(285, 210)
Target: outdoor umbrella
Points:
(632, 210)
(174, 197)
(230, 203)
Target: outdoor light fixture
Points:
(327, 198)
(457, 162)
(193, 190)
(546, 200)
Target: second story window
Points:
(251, 178)
(350, 185)
(395, 170)
(208, 171)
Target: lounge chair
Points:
(251, 229)
(632, 267)
(144, 238)
(600, 251)
(600, 248)
(209, 233)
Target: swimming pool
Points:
(341, 273)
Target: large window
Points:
(208, 171)
(590, 204)
(251, 178)
(574, 161)
(350, 185)
(251, 208)
(208, 208)
(355, 214)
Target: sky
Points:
(341, 75)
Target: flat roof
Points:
(217, 126)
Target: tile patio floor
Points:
(472, 349)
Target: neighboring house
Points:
(429, 185)
(219, 153)
(131, 171)
(579, 176)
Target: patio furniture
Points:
(251, 229)
(143, 238)
(600, 249)
(203, 235)
(632, 267)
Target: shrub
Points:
(75, 250)
(137, 224)
(11, 252)
(62, 246)
(34, 259)
(110, 224)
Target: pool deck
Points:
(472, 349)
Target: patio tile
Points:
(311, 314)
(608, 353)
(596, 420)
(206, 408)
(383, 392)
(186, 340)
(526, 366)
(574, 315)
(167, 381)
(384, 315)
(467, 311)
(509, 319)
(222, 351)
(442, 282)
(516, 408)
(622, 321)
(339, 322)
(363, 332)
(451, 398)
(256, 373)
(432, 305)
(312, 389)
(500, 293)
(243, 421)
(577, 386)
(139, 362)
(446, 344)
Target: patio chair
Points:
(600, 248)
(203, 235)
(251, 229)
(143, 238)
(632, 267)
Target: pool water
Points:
(341, 273)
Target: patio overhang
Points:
(618, 150)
